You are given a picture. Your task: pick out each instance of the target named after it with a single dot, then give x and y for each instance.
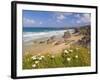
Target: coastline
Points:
(63, 50)
(43, 46)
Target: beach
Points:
(37, 43)
(38, 47)
(56, 46)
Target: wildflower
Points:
(40, 58)
(65, 51)
(52, 57)
(48, 55)
(34, 65)
(36, 62)
(34, 57)
(76, 56)
(68, 59)
(70, 50)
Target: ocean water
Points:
(30, 34)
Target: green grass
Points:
(77, 56)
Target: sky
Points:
(54, 19)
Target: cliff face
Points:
(86, 32)
(66, 35)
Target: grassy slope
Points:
(51, 61)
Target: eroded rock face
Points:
(51, 39)
(58, 42)
(85, 41)
(66, 35)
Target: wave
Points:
(28, 36)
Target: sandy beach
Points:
(54, 47)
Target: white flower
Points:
(52, 57)
(65, 51)
(68, 59)
(71, 50)
(76, 56)
(34, 57)
(34, 65)
(40, 58)
(36, 62)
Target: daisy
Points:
(34, 65)
(68, 59)
(76, 56)
(71, 50)
(40, 58)
(36, 62)
(52, 57)
(65, 51)
(34, 57)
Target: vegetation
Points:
(75, 56)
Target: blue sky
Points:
(54, 19)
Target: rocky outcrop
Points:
(51, 39)
(66, 35)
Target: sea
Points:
(30, 33)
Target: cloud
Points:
(86, 17)
(61, 17)
(78, 21)
(28, 22)
(83, 18)
(31, 22)
(77, 15)
(40, 22)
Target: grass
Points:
(76, 56)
